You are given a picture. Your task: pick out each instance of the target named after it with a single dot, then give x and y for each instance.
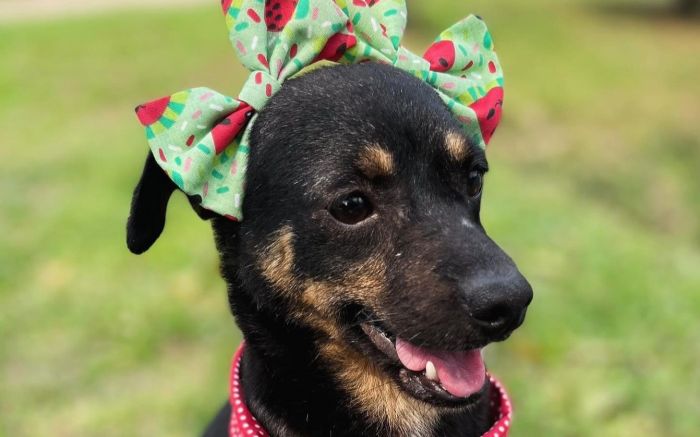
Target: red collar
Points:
(244, 424)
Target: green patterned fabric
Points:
(200, 137)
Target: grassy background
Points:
(594, 191)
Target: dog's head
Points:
(362, 226)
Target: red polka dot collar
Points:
(244, 424)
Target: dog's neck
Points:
(292, 391)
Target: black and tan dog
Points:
(362, 233)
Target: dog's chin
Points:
(440, 378)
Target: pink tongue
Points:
(461, 373)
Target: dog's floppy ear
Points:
(149, 204)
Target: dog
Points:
(362, 280)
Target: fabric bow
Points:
(200, 137)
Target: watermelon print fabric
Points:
(200, 137)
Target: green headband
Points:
(200, 137)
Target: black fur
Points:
(148, 205)
(447, 285)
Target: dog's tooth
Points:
(430, 371)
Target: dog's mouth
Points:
(438, 377)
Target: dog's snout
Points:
(497, 304)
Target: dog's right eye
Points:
(475, 183)
(351, 209)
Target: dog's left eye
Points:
(351, 209)
(475, 183)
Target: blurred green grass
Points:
(594, 191)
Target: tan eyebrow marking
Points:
(374, 161)
(456, 146)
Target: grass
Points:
(594, 191)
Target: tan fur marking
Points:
(277, 265)
(314, 301)
(378, 396)
(277, 260)
(374, 161)
(319, 297)
(363, 282)
(456, 146)
(372, 391)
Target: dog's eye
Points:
(475, 182)
(351, 209)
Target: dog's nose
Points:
(497, 304)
